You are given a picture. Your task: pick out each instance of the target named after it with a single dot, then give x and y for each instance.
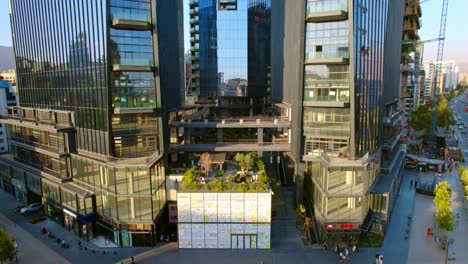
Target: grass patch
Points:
(37, 220)
(371, 240)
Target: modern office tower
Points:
(94, 78)
(7, 98)
(230, 46)
(332, 62)
(230, 63)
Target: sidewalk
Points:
(73, 254)
(396, 241)
(30, 248)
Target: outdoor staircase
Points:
(366, 225)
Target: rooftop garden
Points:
(246, 173)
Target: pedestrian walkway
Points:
(396, 241)
(284, 232)
(74, 254)
(29, 248)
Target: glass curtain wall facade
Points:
(342, 96)
(61, 63)
(95, 61)
(230, 47)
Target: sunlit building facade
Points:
(87, 138)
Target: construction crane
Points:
(440, 54)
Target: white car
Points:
(34, 207)
(460, 127)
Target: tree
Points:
(206, 161)
(189, 180)
(7, 246)
(442, 193)
(240, 158)
(444, 113)
(445, 217)
(421, 118)
(444, 211)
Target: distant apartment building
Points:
(463, 79)
(88, 137)
(9, 75)
(447, 77)
(337, 64)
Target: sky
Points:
(456, 37)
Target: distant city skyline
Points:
(454, 39)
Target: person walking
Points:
(325, 246)
(346, 252)
(428, 232)
(355, 248)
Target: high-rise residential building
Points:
(463, 79)
(447, 77)
(336, 63)
(230, 46)
(410, 61)
(95, 79)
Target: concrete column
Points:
(220, 135)
(260, 141)
(130, 192)
(186, 135)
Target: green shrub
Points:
(189, 180)
(242, 187)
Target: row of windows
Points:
(43, 139)
(63, 53)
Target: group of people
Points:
(343, 254)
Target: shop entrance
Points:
(241, 241)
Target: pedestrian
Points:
(381, 259)
(355, 248)
(428, 232)
(377, 261)
(411, 183)
(325, 246)
(346, 252)
(337, 249)
(415, 184)
(133, 260)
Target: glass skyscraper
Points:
(337, 97)
(87, 138)
(230, 47)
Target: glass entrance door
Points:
(241, 241)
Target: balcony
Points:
(195, 48)
(194, 30)
(393, 119)
(195, 66)
(131, 21)
(43, 119)
(194, 21)
(195, 57)
(337, 57)
(195, 75)
(196, 84)
(194, 11)
(193, 3)
(327, 11)
(326, 101)
(133, 65)
(390, 143)
(194, 39)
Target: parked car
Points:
(34, 207)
